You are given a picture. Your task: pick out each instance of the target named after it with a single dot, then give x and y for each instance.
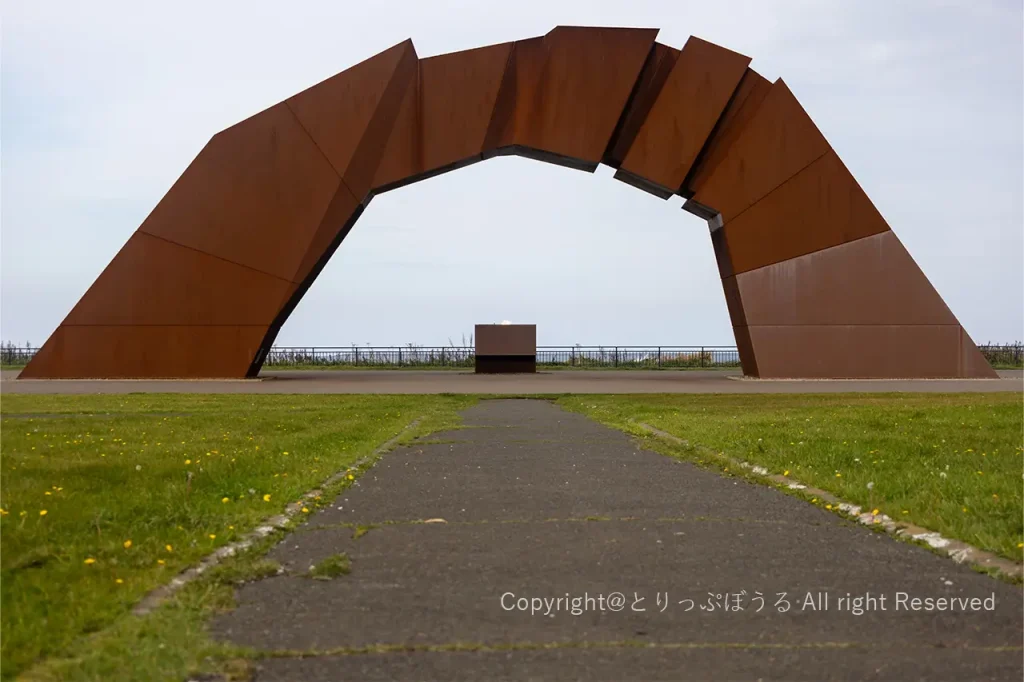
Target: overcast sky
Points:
(104, 104)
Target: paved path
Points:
(564, 381)
(542, 503)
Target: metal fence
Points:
(1007, 355)
(623, 357)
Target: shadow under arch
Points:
(816, 283)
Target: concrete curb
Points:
(278, 522)
(960, 552)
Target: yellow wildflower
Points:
(786, 472)
(266, 498)
(874, 512)
(225, 500)
(168, 548)
(127, 544)
(42, 512)
(305, 510)
(119, 581)
(212, 536)
(187, 462)
(90, 561)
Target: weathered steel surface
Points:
(749, 96)
(776, 144)
(350, 115)
(815, 282)
(685, 112)
(857, 351)
(152, 282)
(820, 207)
(505, 339)
(153, 351)
(870, 281)
(650, 82)
(254, 196)
(444, 115)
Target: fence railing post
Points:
(659, 357)
(702, 356)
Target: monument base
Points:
(506, 364)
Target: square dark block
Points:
(506, 348)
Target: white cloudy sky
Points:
(105, 103)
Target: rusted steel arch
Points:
(816, 283)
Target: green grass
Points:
(331, 567)
(136, 488)
(950, 463)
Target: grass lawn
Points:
(106, 497)
(950, 463)
(135, 488)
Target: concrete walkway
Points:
(552, 382)
(538, 503)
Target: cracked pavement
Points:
(537, 502)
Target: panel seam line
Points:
(212, 255)
(773, 189)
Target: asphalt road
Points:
(471, 527)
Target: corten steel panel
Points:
(255, 195)
(733, 302)
(458, 92)
(684, 114)
(721, 253)
(972, 363)
(152, 281)
(745, 102)
(401, 155)
(350, 115)
(506, 339)
(819, 207)
(868, 281)
(778, 142)
(575, 102)
(652, 78)
(745, 349)
(444, 116)
(154, 352)
(517, 95)
(857, 352)
(339, 212)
